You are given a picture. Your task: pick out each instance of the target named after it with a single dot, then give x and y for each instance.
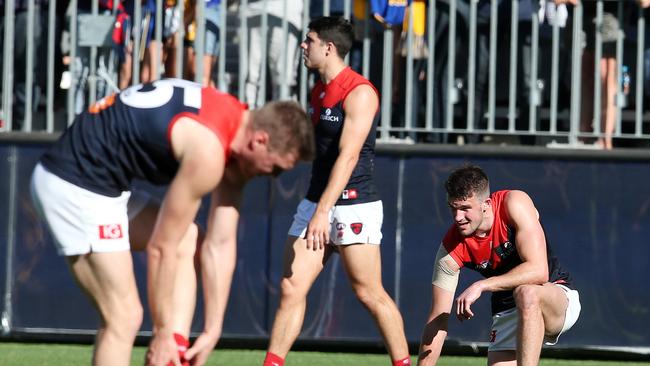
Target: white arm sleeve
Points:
(444, 275)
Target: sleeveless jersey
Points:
(496, 253)
(127, 135)
(328, 116)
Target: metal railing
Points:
(437, 98)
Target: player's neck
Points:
(241, 136)
(331, 70)
(486, 226)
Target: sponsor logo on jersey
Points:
(483, 264)
(505, 249)
(327, 116)
(111, 231)
(349, 194)
(356, 227)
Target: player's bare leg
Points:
(109, 281)
(301, 267)
(363, 265)
(542, 309)
(208, 63)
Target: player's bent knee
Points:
(527, 297)
(293, 289)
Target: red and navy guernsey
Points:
(496, 253)
(127, 135)
(328, 116)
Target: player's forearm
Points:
(175, 217)
(526, 273)
(217, 269)
(161, 272)
(339, 177)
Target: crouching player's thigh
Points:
(569, 315)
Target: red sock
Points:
(183, 344)
(272, 359)
(406, 361)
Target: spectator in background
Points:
(419, 51)
(441, 73)
(211, 49)
(171, 25)
(93, 33)
(279, 47)
(148, 45)
(20, 56)
(524, 61)
(391, 15)
(336, 8)
(608, 71)
(547, 14)
(644, 9)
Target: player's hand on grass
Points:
(465, 301)
(200, 351)
(163, 351)
(318, 231)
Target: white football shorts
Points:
(81, 221)
(349, 224)
(504, 324)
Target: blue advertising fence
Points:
(595, 207)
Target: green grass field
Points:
(65, 354)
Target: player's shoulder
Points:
(212, 94)
(362, 87)
(361, 91)
(351, 79)
(515, 204)
(512, 197)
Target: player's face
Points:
(258, 159)
(275, 163)
(468, 214)
(261, 161)
(313, 50)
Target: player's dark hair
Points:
(337, 30)
(288, 126)
(465, 181)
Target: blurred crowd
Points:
(274, 31)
